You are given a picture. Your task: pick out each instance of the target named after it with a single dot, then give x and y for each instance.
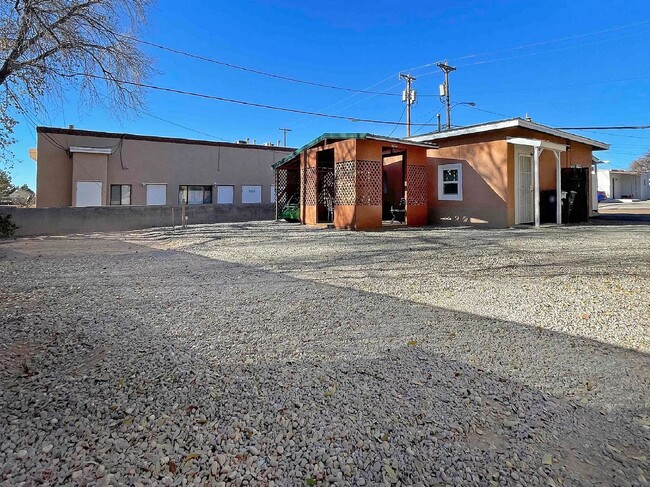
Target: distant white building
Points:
(619, 184)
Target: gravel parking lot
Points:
(273, 354)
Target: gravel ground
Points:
(272, 354)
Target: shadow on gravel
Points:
(169, 354)
(621, 219)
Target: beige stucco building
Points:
(89, 168)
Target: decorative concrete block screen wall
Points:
(344, 180)
(288, 187)
(345, 183)
(369, 185)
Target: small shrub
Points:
(7, 227)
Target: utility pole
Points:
(284, 131)
(444, 89)
(408, 96)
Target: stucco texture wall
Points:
(147, 161)
(484, 179)
(488, 162)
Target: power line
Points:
(534, 44)
(429, 120)
(611, 127)
(562, 39)
(400, 119)
(619, 135)
(182, 126)
(231, 100)
(491, 112)
(256, 71)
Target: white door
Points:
(156, 194)
(524, 189)
(89, 193)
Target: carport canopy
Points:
(539, 146)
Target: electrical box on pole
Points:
(444, 89)
(408, 97)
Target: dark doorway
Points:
(325, 186)
(575, 206)
(393, 180)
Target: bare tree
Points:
(47, 46)
(642, 164)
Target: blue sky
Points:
(578, 63)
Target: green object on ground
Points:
(290, 213)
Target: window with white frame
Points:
(450, 182)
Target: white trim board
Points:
(506, 124)
(91, 150)
(543, 144)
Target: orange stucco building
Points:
(352, 180)
(496, 174)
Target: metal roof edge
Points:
(510, 123)
(153, 138)
(562, 133)
(470, 129)
(348, 135)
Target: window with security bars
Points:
(195, 195)
(450, 182)
(120, 194)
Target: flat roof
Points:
(338, 136)
(154, 138)
(506, 124)
(624, 171)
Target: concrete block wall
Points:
(63, 221)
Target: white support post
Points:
(536, 187)
(558, 188)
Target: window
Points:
(225, 195)
(450, 182)
(195, 195)
(156, 194)
(120, 194)
(273, 194)
(251, 194)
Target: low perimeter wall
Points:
(61, 221)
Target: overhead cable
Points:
(258, 72)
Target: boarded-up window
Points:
(225, 195)
(89, 193)
(156, 194)
(251, 194)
